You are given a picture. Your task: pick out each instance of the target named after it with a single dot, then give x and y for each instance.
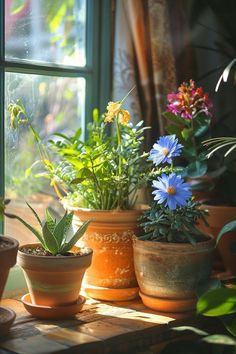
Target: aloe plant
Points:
(54, 236)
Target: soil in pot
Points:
(168, 274)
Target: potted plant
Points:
(54, 267)
(8, 252)
(172, 257)
(189, 112)
(98, 179)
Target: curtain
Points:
(143, 57)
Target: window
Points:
(55, 57)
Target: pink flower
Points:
(189, 101)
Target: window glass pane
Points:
(54, 105)
(46, 31)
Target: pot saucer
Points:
(7, 317)
(111, 294)
(168, 305)
(52, 313)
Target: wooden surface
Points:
(124, 327)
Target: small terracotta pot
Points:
(219, 215)
(111, 276)
(7, 259)
(168, 274)
(53, 280)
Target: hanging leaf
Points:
(231, 226)
(217, 302)
(197, 169)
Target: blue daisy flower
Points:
(164, 149)
(171, 190)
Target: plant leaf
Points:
(31, 228)
(79, 233)
(59, 231)
(231, 226)
(35, 214)
(51, 223)
(217, 302)
(219, 339)
(50, 240)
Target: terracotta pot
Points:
(8, 252)
(111, 276)
(53, 280)
(7, 259)
(168, 274)
(219, 216)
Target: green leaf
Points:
(95, 115)
(187, 133)
(217, 302)
(79, 233)
(49, 240)
(35, 214)
(219, 339)
(197, 169)
(175, 119)
(201, 125)
(51, 222)
(31, 228)
(59, 231)
(230, 323)
(231, 226)
(198, 331)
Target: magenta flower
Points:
(189, 101)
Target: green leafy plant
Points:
(105, 171)
(54, 235)
(174, 215)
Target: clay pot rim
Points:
(13, 243)
(171, 246)
(52, 258)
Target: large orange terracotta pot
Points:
(53, 280)
(111, 276)
(168, 273)
(219, 215)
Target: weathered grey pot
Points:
(168, 274)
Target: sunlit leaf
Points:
(217, 302)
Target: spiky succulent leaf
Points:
(35, 214)
(79, 233)
(31, 228)
(59, 231)
(51, 222)
(50, 240)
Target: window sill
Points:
(121, 327)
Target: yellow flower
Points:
(112, 109)
(124, 117)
